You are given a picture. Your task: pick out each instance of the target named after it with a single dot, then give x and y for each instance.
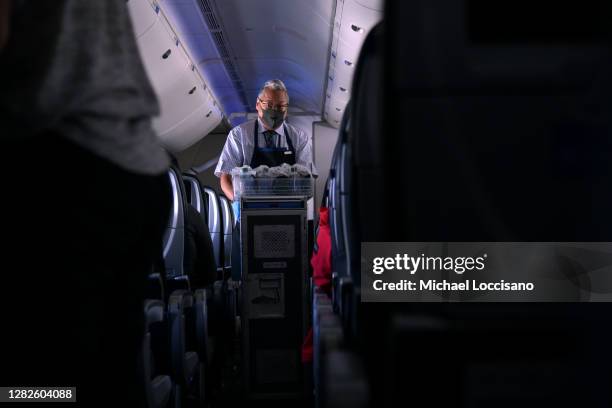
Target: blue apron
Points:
(272, 156)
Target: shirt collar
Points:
(261, 128)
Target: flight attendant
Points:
(268, 140)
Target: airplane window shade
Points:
(535, 22)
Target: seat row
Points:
(460, 130)
(186, 326)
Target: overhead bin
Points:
(191, 129)
(357, 21)
(353, 20)
(188, 111)
(179, 93)
(334, 116)
(346, 59)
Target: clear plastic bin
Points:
(264, 186)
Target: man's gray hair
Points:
(274, 85)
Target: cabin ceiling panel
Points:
(223, 88)
(190, 17)
(286, 39)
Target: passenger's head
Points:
(272, 103)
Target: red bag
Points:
(321, 270)
(321, 257)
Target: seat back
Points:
(196, 196)
(498, 131)
(228, 227)
(334, 186)
(157, 381)
(155, 288)
(174, 236)
(489, 132)
(500, 361)
(364, 189)
(357, 181)
(215, 224)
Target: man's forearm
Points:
(227, 186)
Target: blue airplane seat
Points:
(357, 180)
(345, 295)
(184, 357)
(328, 337)
(196, 196)
(343, 380)
(155, 287)
(222, 302)
(183, 310)
(207, 202)
(365, 186)
(321, 306)
(157, 382)
(491, 131)
(227, 227)
(174, 237)
(215, 226)
(499, 126)
(334, 346)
